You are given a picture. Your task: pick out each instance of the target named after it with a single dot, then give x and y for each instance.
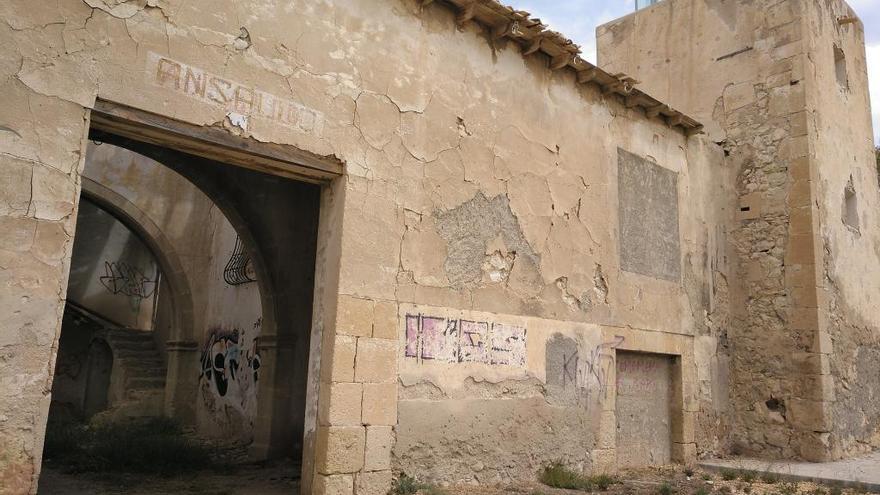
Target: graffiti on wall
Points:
(230, 368)
(122, 278)
(457, 340)
(573, 377)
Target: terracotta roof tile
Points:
(533, 36)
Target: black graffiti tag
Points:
(122, 278)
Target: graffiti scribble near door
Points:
(455, 340)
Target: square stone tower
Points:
(782, 86)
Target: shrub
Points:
(557, 475)
(769, 478)
(407, 485)
(728, 474)
(665, 489)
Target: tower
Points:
(782, 86)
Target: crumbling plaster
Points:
(426, 116)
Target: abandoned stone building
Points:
(380, 236)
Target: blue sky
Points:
(578, 19)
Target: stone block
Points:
(799, 169)
(604, 461)
(607, 437)
(342, 359)
(385, 320)
(778, 14)
(800, 194)
(376, 361)
(380, 404)
(822, 343)
(779, 101)
(799, 124)
(798, 146)
(801, 220)
(683, 426)
(373, 483)
(800, 250)
(684, 453)
(340, 449)
(800, 276)
(341, 404)
(809, 415)
(787, 51)
(738, 95)
(377, 455)
(354, 316)
(337, 484)
(816, 387)
(815, 446)
(810, 363)
(750, 206)
(804, 297)
(803, 318)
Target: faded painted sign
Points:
(237, 99)
(457, 340)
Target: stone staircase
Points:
(137, 386)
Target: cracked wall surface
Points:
(469, 186)
(796, 129)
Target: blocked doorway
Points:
(645, 401)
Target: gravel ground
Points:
(663, 481)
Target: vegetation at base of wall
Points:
(877, 157)
(156, 445)
(407, 485)
(665, 489)
(557, 475)
(728, 474)
(769, 478)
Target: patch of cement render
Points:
(468, 230)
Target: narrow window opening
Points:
(850, 207)
(840, 67)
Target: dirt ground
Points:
(241, 480)
(666, 481)
(284, 479)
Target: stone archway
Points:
(182, 349)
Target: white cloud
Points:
(873, 51)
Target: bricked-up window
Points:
(840, 67)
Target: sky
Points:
(578, 19)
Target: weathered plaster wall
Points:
(762, 75)
(470, 186)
